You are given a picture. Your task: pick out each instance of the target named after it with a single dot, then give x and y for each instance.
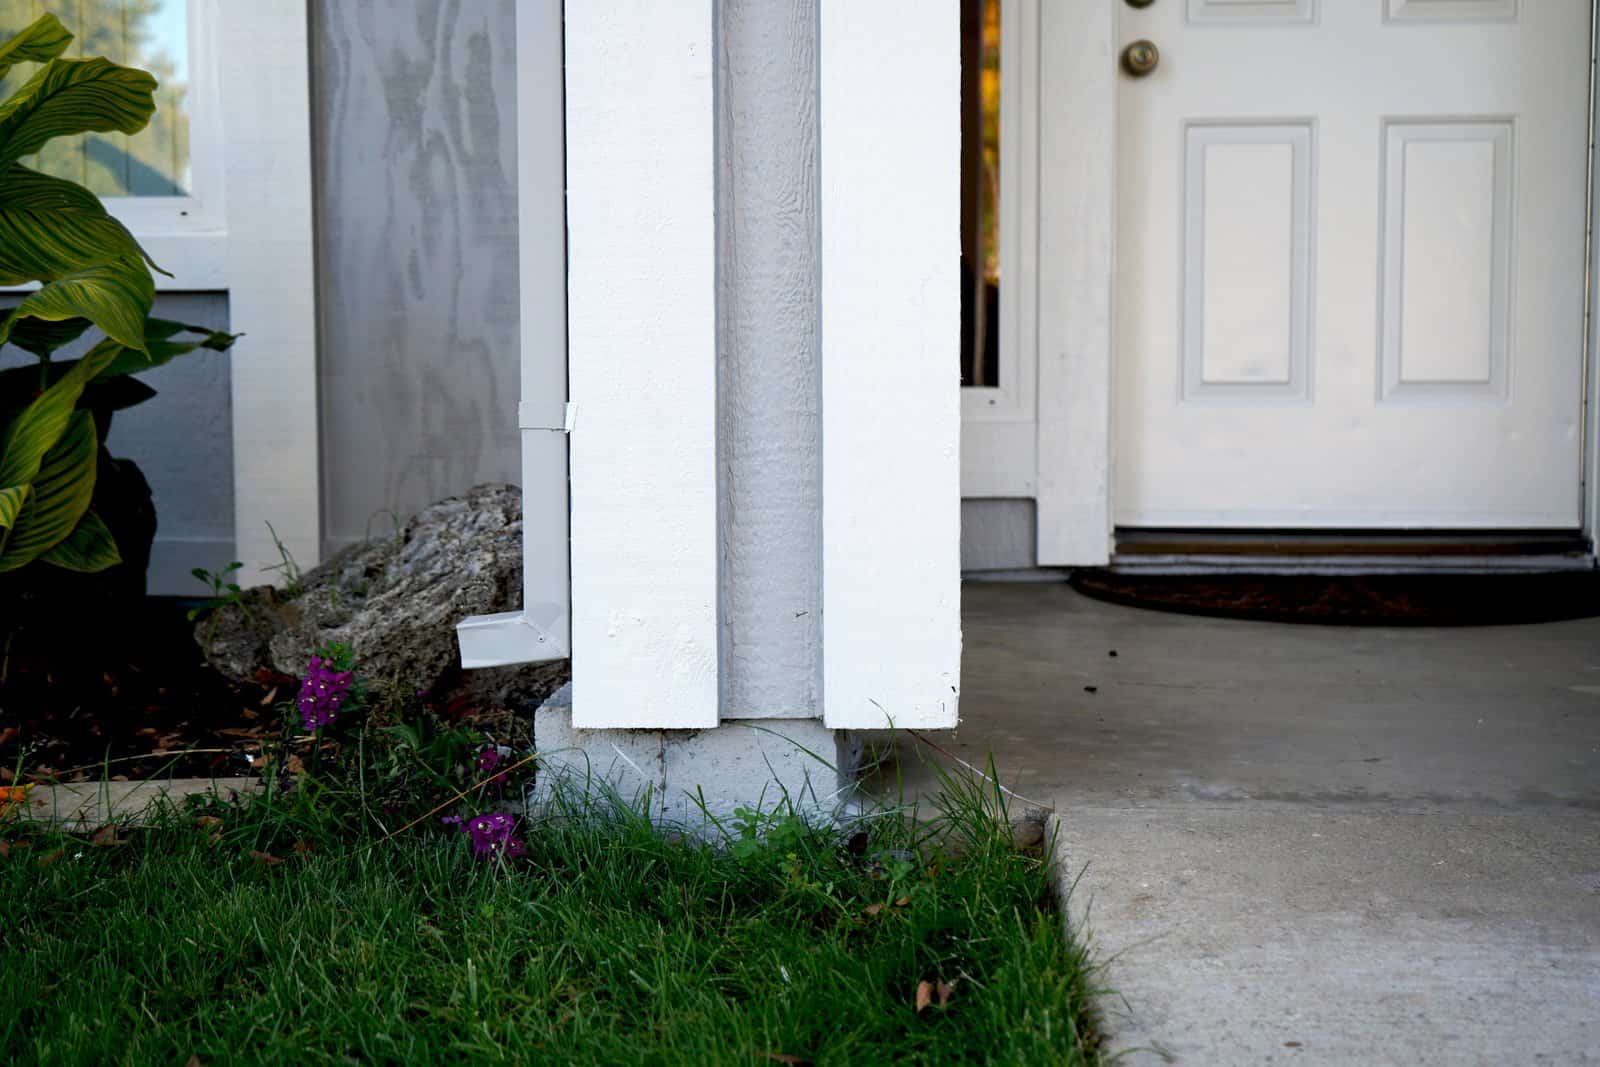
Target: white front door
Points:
(1350, 277)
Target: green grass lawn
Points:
(608, 943)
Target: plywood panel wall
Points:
(415, 141)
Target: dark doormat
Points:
(1357, 600)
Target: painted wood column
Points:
(890, 141)
(269, 266)
(642, 362)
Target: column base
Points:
(683, 776)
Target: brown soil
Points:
(125, 697)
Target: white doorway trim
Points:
(999, 440)
(1591, 363)
(1077, 220)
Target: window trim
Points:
(999, 450)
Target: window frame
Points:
(186, 234)
(999, 446)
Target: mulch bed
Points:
(1357, 600)
(127, 695)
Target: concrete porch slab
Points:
(1310, 844)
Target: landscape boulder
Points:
(395, 602)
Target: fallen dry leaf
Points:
(50, 857)
(208, 822)
(302, 847)
(192, 1061)
(266, 859)
(295, 764)
(272, 694)
(7, 734)
(5, 849)
(873, 909)
(783, 1057)
(105, 837)
(942, 990)
(12, 796)
(924, 995)
(902, 902)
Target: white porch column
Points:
(874, 436)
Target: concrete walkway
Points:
(1306, 844)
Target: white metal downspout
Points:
(542, 630)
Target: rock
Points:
(396, 602)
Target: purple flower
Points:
(488, 760)
(322, 693)
(491, 836)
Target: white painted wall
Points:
(890, 150)
(769, 466)
(642, 363)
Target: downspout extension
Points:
(542, 630)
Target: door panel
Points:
(1349, 282)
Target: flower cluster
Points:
(322, 693)
(491, 835)
(488, 762)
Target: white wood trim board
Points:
(641, 317)
(1077, 220)
(891, 414)
(265, 89)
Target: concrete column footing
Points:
(682, 776)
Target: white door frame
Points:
(1077, 258)
(1077, 229)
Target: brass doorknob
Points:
(1140, 58)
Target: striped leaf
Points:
(115, 296)
(41, 41)
(110, 389)
(159, 349)
(40, 337)
(50, 227)
(34, 433)
(69, 96)
(90, 547)
(11, 501)
(59, 497)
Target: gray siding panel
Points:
(414, 131)
(769, 497)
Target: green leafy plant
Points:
(91, 272)
(225, 591)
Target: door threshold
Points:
(1152, 551)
